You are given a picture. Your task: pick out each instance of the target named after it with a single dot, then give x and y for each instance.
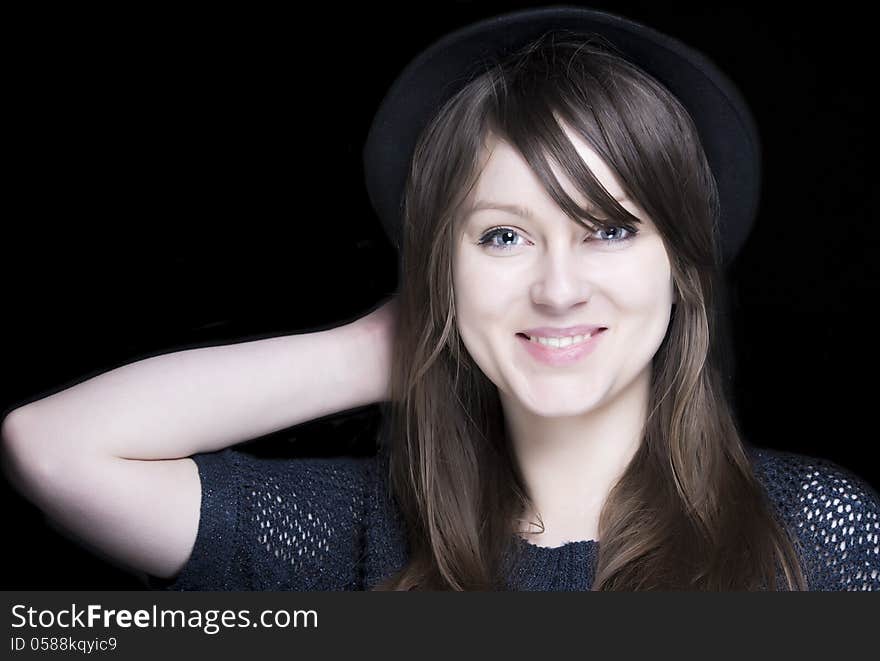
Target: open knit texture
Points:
(330, 524)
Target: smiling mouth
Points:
(561, 342)
(560, 355)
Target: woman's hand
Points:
(382, 320)
(377, 331)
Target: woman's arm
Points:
(205, 399)
(107, 459)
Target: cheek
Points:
(470, 312)
(645, 286)
(481, 315)
(480, 293)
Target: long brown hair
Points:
(688, 512)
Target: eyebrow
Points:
(515, 209)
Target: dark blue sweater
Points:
(330, 524)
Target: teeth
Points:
(560, 342)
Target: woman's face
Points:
(547, 271)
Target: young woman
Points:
(552, 370)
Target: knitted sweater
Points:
(330, 524)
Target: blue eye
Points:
(621, 235)
(504, 232)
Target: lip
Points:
(561, 357)
(569, 331)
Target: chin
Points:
(550, 407)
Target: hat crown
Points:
(725, 125)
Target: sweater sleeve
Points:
(834, 515)
(277, 524)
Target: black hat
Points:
(726, 127)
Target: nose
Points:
(561, 283)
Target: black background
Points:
(190, 180)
